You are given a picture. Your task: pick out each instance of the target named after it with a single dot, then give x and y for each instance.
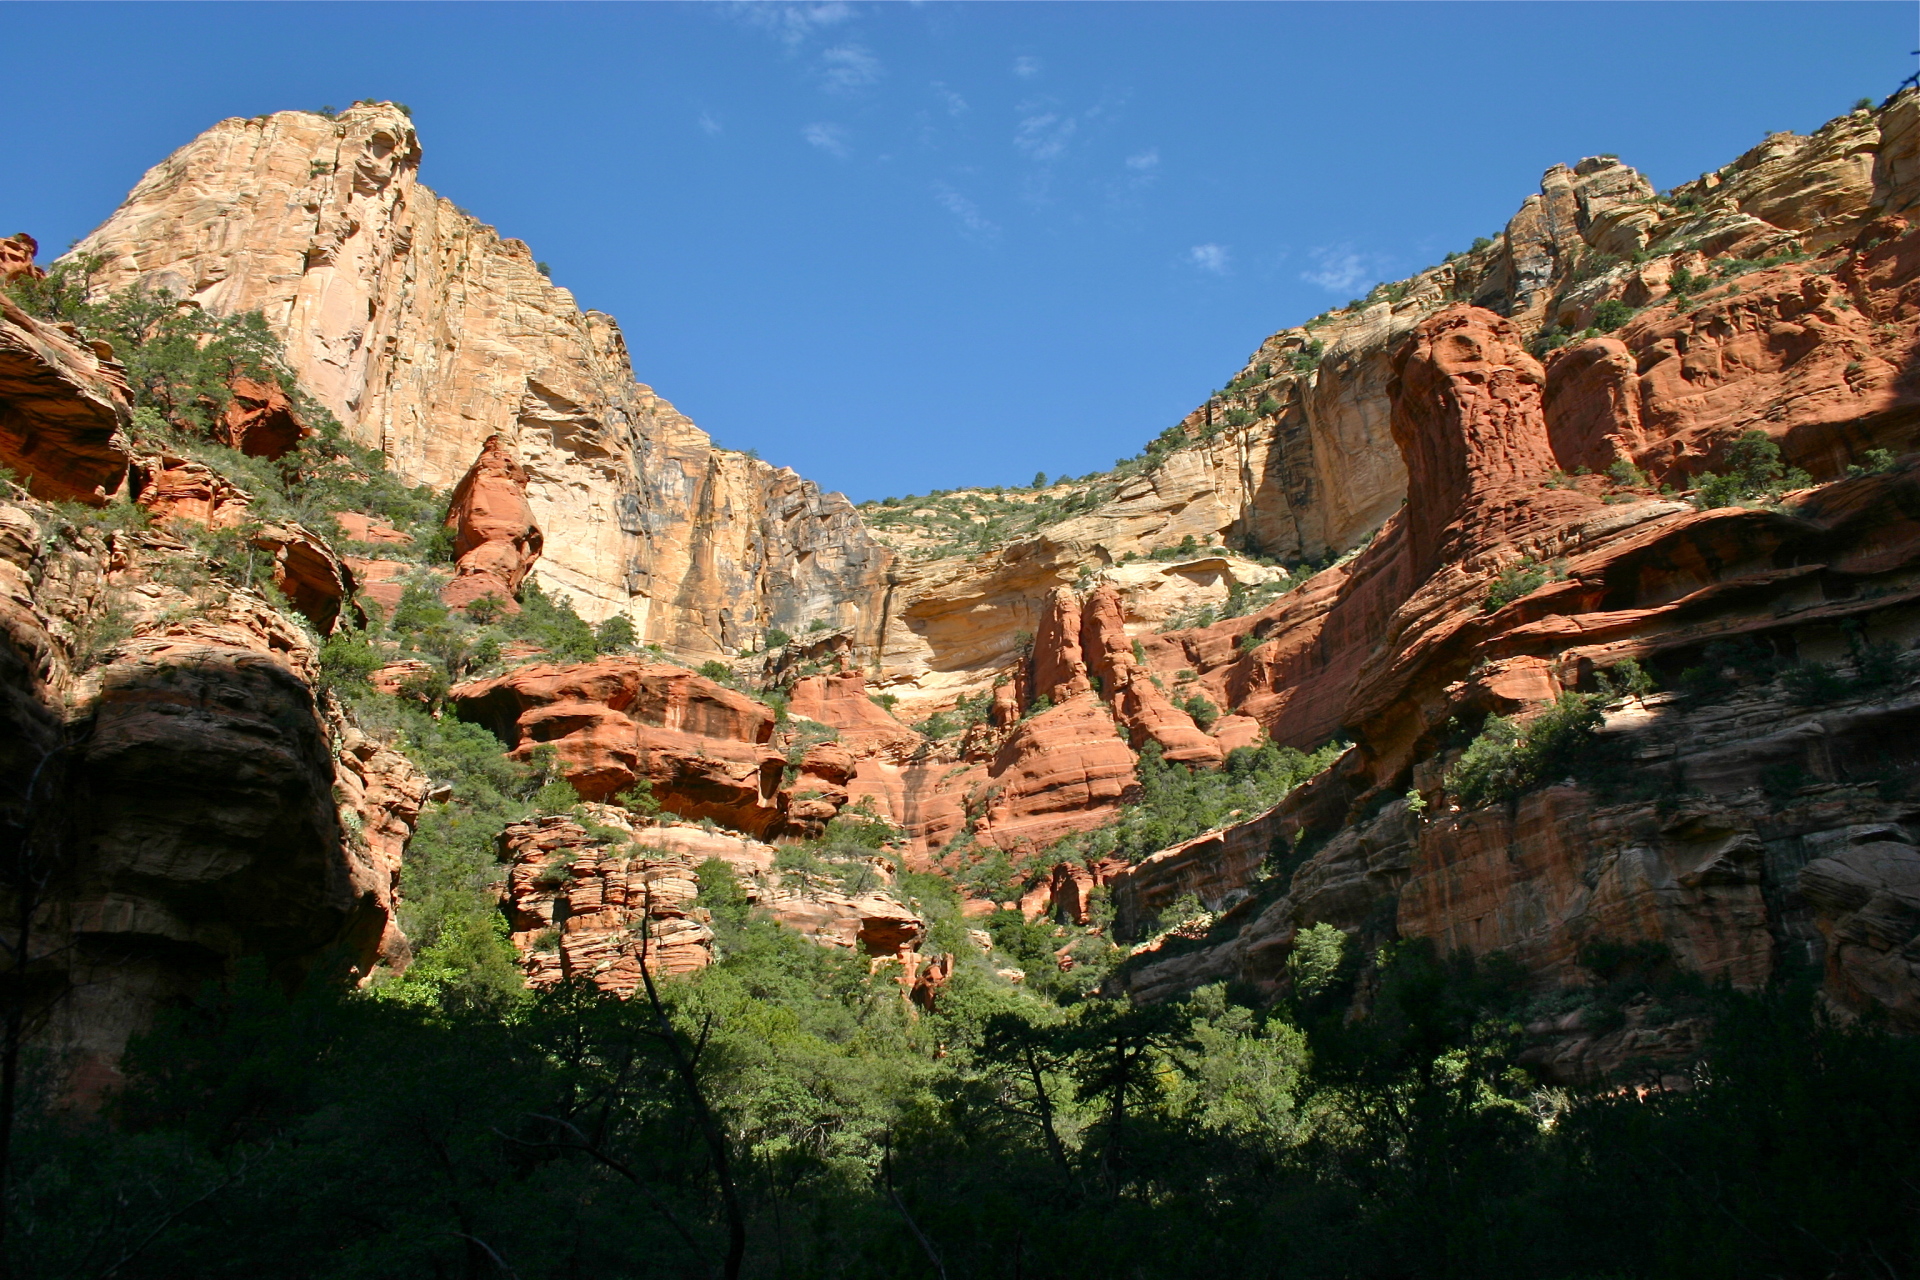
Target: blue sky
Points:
(904, 246)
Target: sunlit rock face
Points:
(1513, 411)
(1743, 829)
(426, 334)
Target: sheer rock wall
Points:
(426, 333)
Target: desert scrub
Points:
(1520, 579)
(1754, 473)
(1510, 758)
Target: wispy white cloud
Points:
(965, 212)
(710, 125)
(1145, 162)
(847, 67)
(830, 138)
(1044, 135)
(1210, 258)
(1026, 67)
(955, 104)
(1340, 269)
(792, 24)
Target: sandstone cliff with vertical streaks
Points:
(426, 333)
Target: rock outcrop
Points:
(705, 749)
(165, 748)
(596, 901)
(64, 410)
(17, 253)
(495, 538)
(259, 420)
(426, 333)
(1791, 839)
(581, 908)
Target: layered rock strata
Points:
(596, 902)
(1783, 805)
(63, 410)
(1294, 459)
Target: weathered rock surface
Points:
(495, 538)
(17, 253)
(1716, 880)
(259, 420)
(704, 748)
(580, 908)
(426, 333)
(202, 806)
(64, 411)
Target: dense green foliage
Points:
(333, 1135)
(1510, 757)
(461, 954)
(1522, 578)
(1178, 802)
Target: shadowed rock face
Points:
(187, 792)
(259, 420)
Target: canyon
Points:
(1472, 501)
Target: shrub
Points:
(1510, 758)
(1516, 580)
(1611, 314)
(1725, 665)
(1754, 471)
(552, 624)
(347, 659)
(1814, 683)
(615, 635)
(1315, 959)
(1628, 476)
(776, 638)
(1176, 802)
(1873, 462)
(1626, 678)
(1204, 713)
(716, 671)
(1876, 665)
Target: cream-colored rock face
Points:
(425, 332)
